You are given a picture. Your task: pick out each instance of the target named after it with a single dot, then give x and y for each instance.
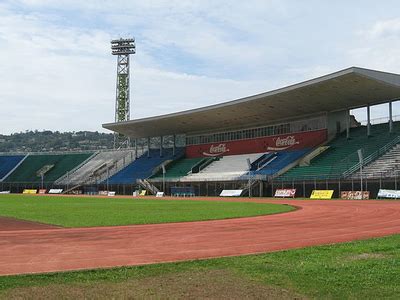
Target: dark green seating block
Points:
(342, 153)
(62, 163)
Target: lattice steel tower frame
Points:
(123, 48)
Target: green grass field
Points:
(92, 211)
(358, 270)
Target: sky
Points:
(57, 71)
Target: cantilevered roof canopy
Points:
(347, 89)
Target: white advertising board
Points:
(231, 193)
(389, 194)
(55, 191)
(160, 194)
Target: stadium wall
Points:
(337, 122)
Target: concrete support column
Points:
(272, 188)
(390, 117)
(161, 145)
(148, 147)
(348, 124)
(174, 145)
(136, 148)
(368, 120)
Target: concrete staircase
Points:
(227, 168)
(383, 166)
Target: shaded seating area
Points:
(144, 166)
(342, 153)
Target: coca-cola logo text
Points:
(216, 150)
(287, 141)
(282, 143)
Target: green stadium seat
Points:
(342, 153)
(61, 164)
(178, 169)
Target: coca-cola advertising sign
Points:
(281, 142)
(216, 150)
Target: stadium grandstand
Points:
(37, 167)
(301, 136)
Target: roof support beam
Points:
(174, 144)
(368, 120)
(148, 147)
(390, 117)
(136, 150)
(161, 145)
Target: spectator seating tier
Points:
(178, 169)
(143, 167)
(100, 159)
(8, 163)
(342, 153)
(279, 160)
(385, 166)
(62, 163)
(225, 169)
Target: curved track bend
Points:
(315, 223)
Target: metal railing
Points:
(115, 168)
(372, 156)
(347, 163)
(66, 151)
(381, 120)
(148, 186)
(65, 176)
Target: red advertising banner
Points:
(355, 195)
(294, 141)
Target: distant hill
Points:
(38, 141)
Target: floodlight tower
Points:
(122, 48)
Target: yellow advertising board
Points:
(321, 194)
(143, 193)
(27, 191)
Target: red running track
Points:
(316, 223)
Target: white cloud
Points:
(57, 72)
(378, 46)
(384, 29)
(63, 78)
